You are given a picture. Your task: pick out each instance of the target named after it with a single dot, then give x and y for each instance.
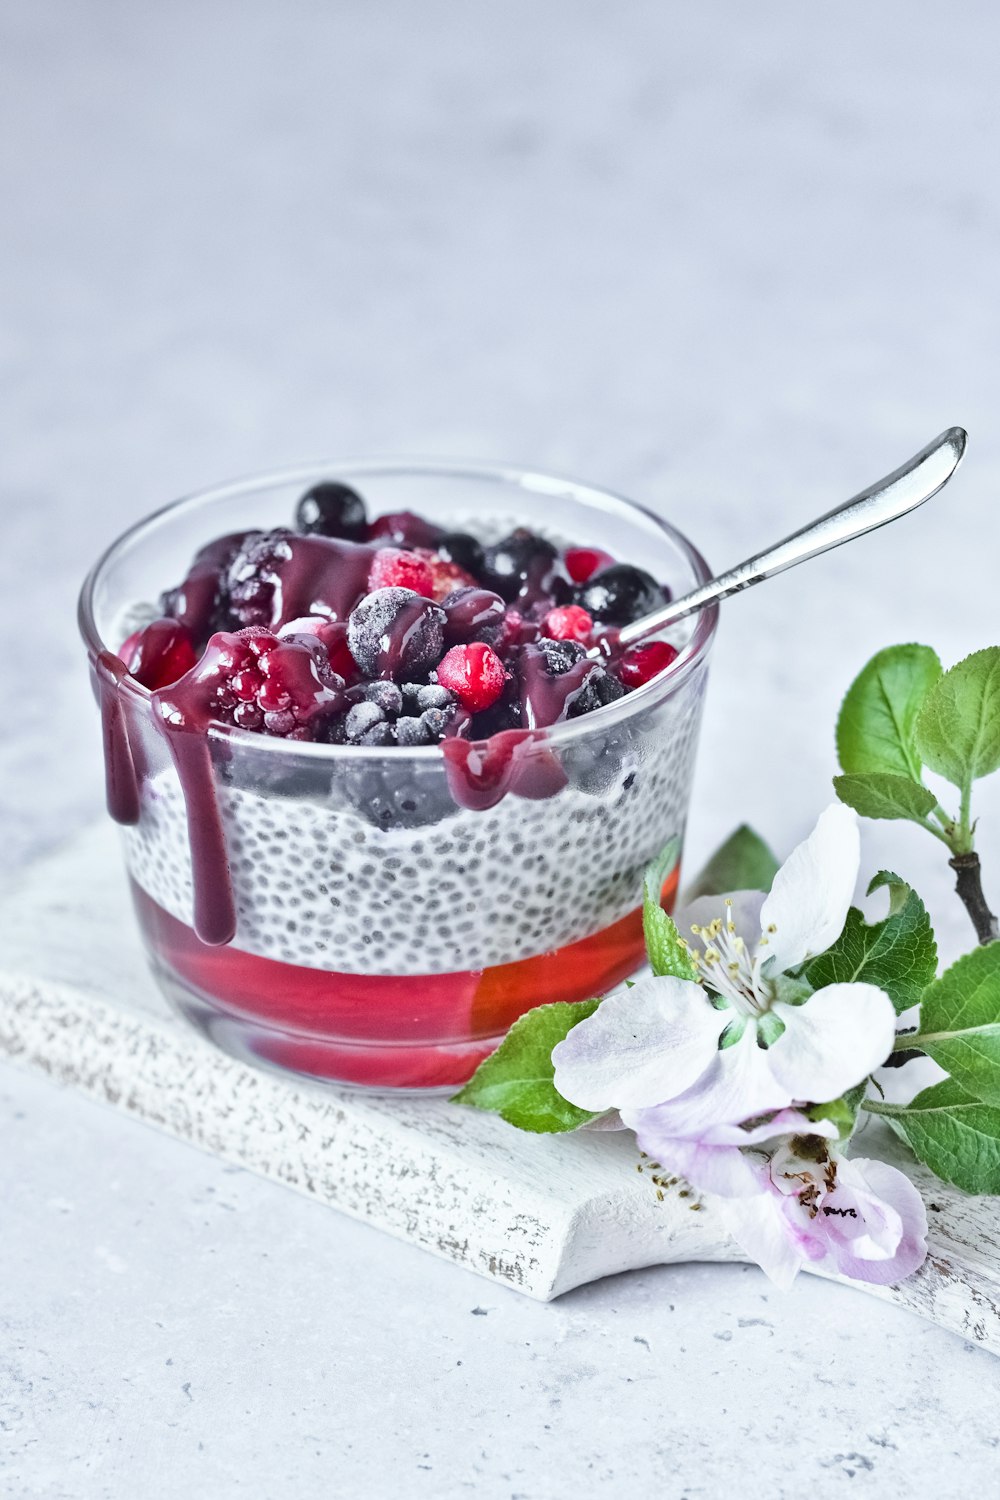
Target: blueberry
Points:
(394, 631)
(382, 733)
(332, 509)
(436, 720)
(509, 564)
(620, 594)
(411, 731)
(387, 695)
(433, 696)
(361, 718)
(463, 550)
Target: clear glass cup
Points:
(385, 936)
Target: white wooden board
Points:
(541, 1214)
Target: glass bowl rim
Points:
(528, 478)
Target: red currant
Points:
(641, 663)
(474, 673)
(568, 622)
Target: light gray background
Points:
(734, 260)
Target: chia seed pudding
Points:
(377, 798)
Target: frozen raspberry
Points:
(641, 663)
(581, 563)
(446, 576)
(395, 633)
(254, 680)
(160, 653)
(392, 568)
(568, 623)
(474, 673)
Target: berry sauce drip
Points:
(250, 679)
(377, 634)
(121, 781)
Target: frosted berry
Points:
(620, 594)
(395, 633)
(393, 568)
(446, 576)
(568, 623)
(332, 509)
(640, 664)
(581, 563)
(474, 673)
(254, 680)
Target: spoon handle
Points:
(901, 491)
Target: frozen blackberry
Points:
(522, 560)
(601, 688)
(394, 632)
(332, 509)
(561, 655)
(201, 602)
(253, 576)
(620, 594)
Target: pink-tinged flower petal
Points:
(832, 1041)
(891, 1209)
(758, 1226)
(744, 915)
(812, 891)
(719, 1169)
(714, 1162)
(737, 1084)
(640, 1046)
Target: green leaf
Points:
(743, 863)
(960, 1022)
(876, 794)
(515, 1081)
(842, 1112)
(898, 954)
(958, 731)
(664, 947)
(875, 728)
(955, 1135)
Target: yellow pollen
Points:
(772, 928)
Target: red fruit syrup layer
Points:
(380, 1030)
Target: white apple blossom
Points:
(743, 1041)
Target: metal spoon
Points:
(901, 491)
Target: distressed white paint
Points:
(541, 1214)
